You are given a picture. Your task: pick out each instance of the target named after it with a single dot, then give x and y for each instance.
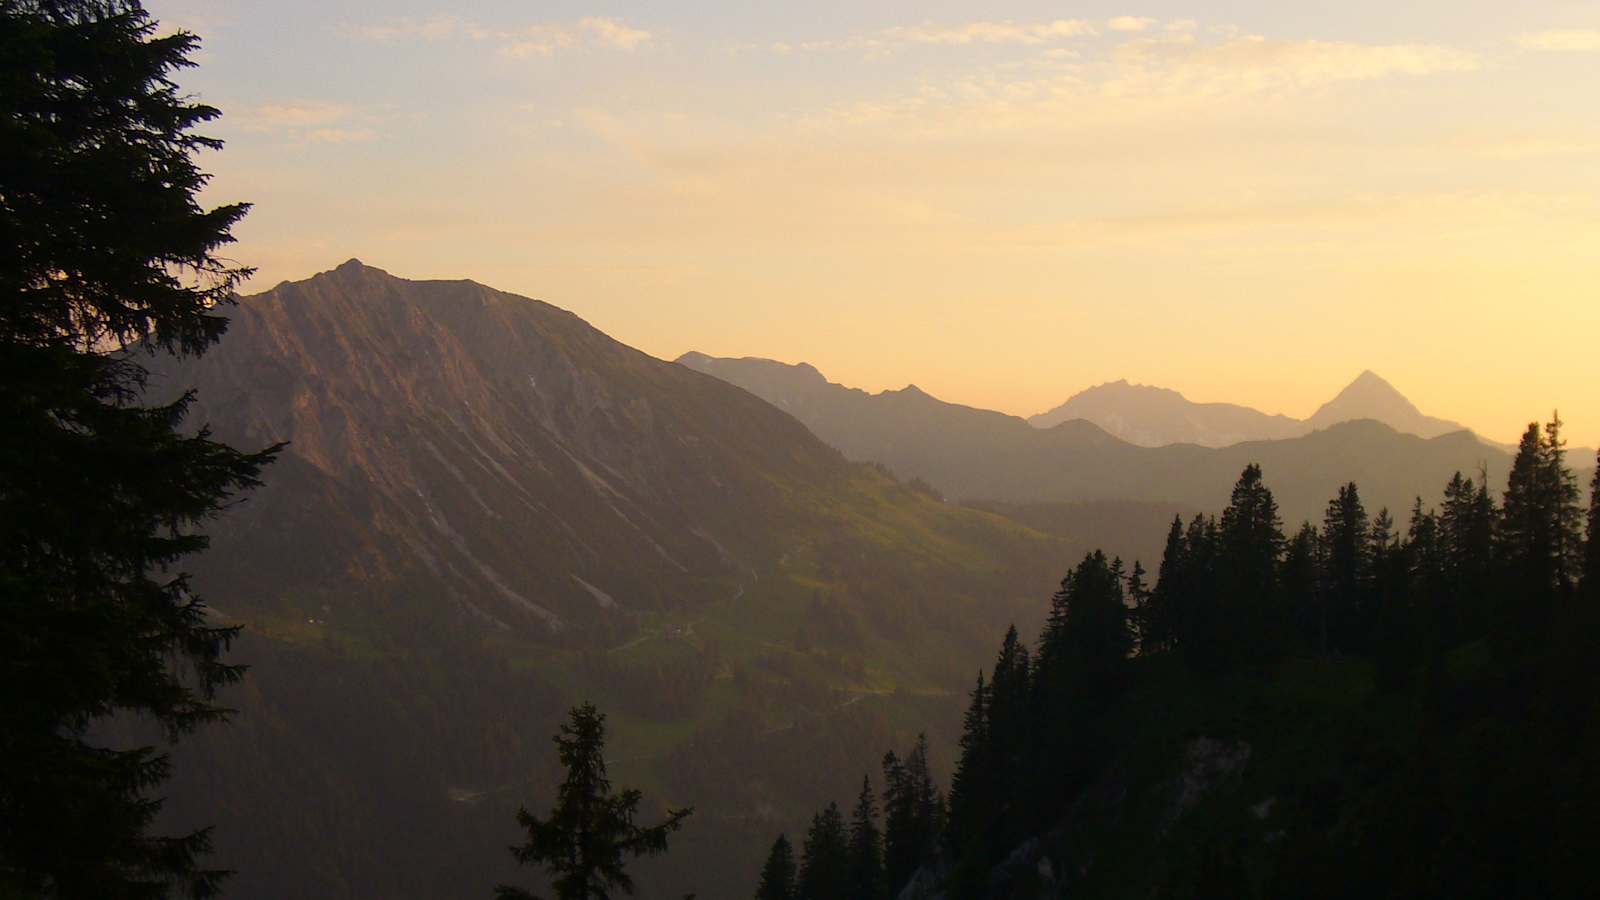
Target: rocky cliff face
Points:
(492, 448)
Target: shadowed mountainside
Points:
(489, 510)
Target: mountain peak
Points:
(355, 268)
(1369, 396)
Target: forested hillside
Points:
(1342, 710)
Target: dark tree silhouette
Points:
(1591, 549)
(1345, 551)
(972, 799)
(866, 847)
(778, 875)
(1159, 629)
(913, 815)
(108, 259)
(589, 834)
(825, 858)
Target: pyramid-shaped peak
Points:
(1371, 379)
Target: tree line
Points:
(1518, 575)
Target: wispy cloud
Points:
(1569, 40)
(538, 39)
(1253, 62)
(965, 34)
(1130, 23)
(990, 32)
(305, 122)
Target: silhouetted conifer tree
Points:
(866, 847)
(1087, 642)
(1438, 619)
(972, 799)
(1160, 627)
(1540, 535)
(1199, 617)
(590, 832)
(913, 815)
(1249, 627)
(1139, 598)
(1301, 582)
(825, 858)
(108, 259)
(778, 875)
(1346, 565)
(1468, 522)
(1591, 550)
(1395, 637)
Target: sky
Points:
(1003, 203)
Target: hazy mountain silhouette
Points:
(1154, 416)
(1370, 397)
(980, 454)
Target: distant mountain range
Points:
(981, 454)
(1154, 417)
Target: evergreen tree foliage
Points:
(778, 875)
(1468, 522)
(109, 259)
(866, 847)
(1138, 594)
(586, 839)
(913, 815)
(1247, 628)
(1159, 629)
(1301, 583)
(825, 857)
(1540, 535)
(1346, 567)
(972, 799)
(1086, 639)
(1591, 549)
(1429, 809)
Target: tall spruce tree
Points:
(913, 815)
(1540, 536)
(109, 259)
(1468, 528)
(1346, 567)
(1160, 628)
(1251, 546)
(1301, 582)
(1199, 614)
(1084, 647)
(1591, 547)
(778, 875)
(585, 841)
(866, 847)
(1138, 593)
(1566, 507)
(825, 857)
(1012, 722)
(972, 799)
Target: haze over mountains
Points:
(973, 454)
(1140, 414)
(489, 510)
